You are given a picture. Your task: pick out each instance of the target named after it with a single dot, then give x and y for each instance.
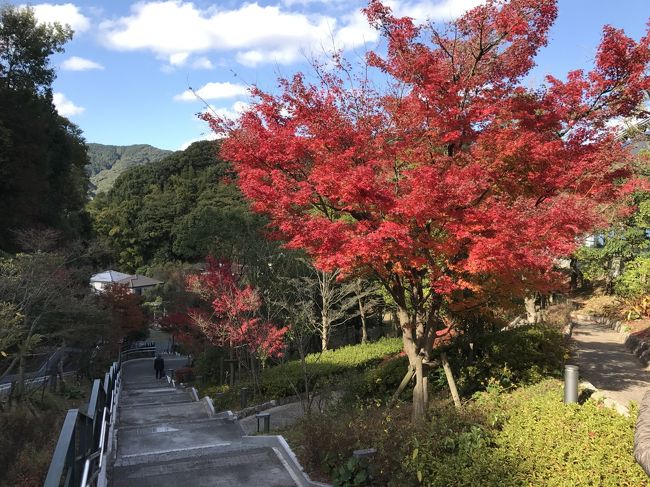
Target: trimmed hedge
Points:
(279, 381)
(524, 438)
(530, 437)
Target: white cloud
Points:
(207, 136)
(76, 63)
(355, 32)
(257, 33)
(202, 63)
(440, 10)
(65, 107)
(214, 91)
(178, 58)
(66, 13)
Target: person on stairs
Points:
(159, 366)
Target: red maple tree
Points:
(233, 319)
(445, 176)
(128, 320)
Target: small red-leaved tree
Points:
(451, 180)
(182, 330)
(128, 319)
(233, 319)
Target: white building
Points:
(136, 283)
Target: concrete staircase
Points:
(165, 437)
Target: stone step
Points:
(246, 467)
(183, 453)
(176, 436)
(144, 384)
(162, 413)
(154, 396)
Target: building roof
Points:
(139, 281)
(109, 276)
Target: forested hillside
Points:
(179, 208)
(107, 162)
(42, 155)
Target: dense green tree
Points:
(180, 208)
(44, 300)
(42, 155)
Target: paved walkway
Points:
(606, 363)
(165, 438)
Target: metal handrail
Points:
(102, 438)
(70, 454)
(148, 351)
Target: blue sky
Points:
(123, 77)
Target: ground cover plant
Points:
(30, 432)
(499, 438)
(287, 379)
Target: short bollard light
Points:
(266, 421)
(570, 384)
(243, 397)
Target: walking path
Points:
(605, 362)
(166, 438)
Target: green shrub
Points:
(537, 441)
(523, 355)
(634, 282)
(556, 445)
(353, 473)
(185, 374)
(208, 364)
(524, 438)
(285, 379)
(379, 382)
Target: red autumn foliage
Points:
(232, 320)
(127, 315)
(181, 327)
(448, 178)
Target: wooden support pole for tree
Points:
(405, 381)
(450, 380)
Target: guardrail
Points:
(33, 383)
(79, 454)
(133, 353)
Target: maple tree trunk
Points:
(415, 361)
(532, 314)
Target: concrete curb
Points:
(249, 411)
(599, 396)
(639, 348)
(286, 456)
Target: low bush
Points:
(29, 432)
(285, 379)
(522, 355)
(527, 437)
(634, 282)
(208, 364)
(185, 374)
(558, 315)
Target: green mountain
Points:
(107, 162)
